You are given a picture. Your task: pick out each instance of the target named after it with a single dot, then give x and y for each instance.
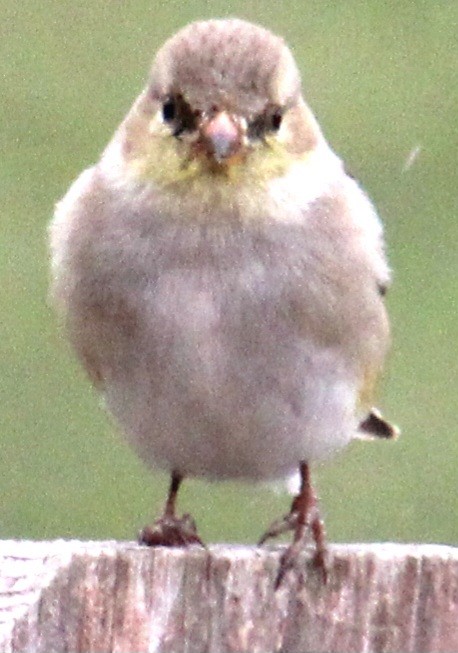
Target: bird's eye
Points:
(276, 119)
(179, 115)
(169, 110)
(268, 121)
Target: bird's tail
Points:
(375, 426)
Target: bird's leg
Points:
(170, 505)
(170, 530)
(303, 516)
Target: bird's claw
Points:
(280, 526)
(289, 560)
(171, 531)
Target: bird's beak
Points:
(222, 137)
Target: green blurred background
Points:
(382, 78)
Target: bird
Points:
(221, 277)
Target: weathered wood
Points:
(107, 596)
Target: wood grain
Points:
(117, 596)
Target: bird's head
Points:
(223, 104)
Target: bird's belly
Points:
(226, 391)
(224, 352)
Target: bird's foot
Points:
(170, 530)
(289, 557)
(304, 520)
(290, 560)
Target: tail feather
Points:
(375, 426)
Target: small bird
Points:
(222, 278)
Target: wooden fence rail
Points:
(116, 596)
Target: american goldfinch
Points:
(221, 277)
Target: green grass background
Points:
(381, 76)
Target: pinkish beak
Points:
(221, 137)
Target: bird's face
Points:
(223, 105)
